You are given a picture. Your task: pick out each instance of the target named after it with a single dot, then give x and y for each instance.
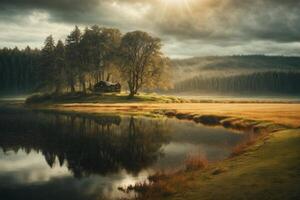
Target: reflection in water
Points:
(44, 152)
(88, 146)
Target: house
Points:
(105, 86)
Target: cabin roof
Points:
(105, 83)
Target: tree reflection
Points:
(87, 145)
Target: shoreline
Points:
(208, 183)
(282, 114)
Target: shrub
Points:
(209, 119)
(245, 143)
(195, 162)
(38, 98)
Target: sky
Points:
(187, 27)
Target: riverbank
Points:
(109, 98)
(80, 97)
(284, 114)
(266, 169)
(269, 169)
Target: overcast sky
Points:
(187, 27)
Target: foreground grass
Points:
(268, 170)
(265, 167)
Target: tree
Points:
(98, 54)
(48, 61)
(141, 61)
(73, 57)
(60, 63)
(111, 40)
(98, 49)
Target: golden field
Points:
(280, 113)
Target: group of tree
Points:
(19, 70)
(261, 82)
(85, 58)
(240, 62)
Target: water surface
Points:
(60, 156)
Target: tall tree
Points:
(141, 61)
(73, 57)
(99, 46)
(111, 40)
(60, 64)
(48, 61)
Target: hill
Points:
(232, 65)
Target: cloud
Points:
(63, 5)
(216, 20)
(218, 25)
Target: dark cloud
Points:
(230, 25)
(215, 20)
(60, 10)
(61, 5)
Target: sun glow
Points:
(176, 2)
(184, 7)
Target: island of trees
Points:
(83, 59)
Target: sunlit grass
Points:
(195, 162)
(101, 98)
(267, 170)
(262, 167)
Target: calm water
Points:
(55, 156)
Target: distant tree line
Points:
(84, 59)
(261, 82)
(19, 70)
(241, 61)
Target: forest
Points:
(83, 59)
(260, 82)
(19, 70)
(136, 61)
(241, 61)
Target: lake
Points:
(67, 156)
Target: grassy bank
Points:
(269, 169)
(262, 168)
(285, 114)
(265, 168)
(100, 98)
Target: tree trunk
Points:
(72, 86)
(131, 95)
(57, 88)
(131, 90)
(108, 77)
(83, 86)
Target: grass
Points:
(284, 114)
(247, 142)
(265, 167)
(268, 169)
(100, 98)
(195, 162)
(265, 171)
